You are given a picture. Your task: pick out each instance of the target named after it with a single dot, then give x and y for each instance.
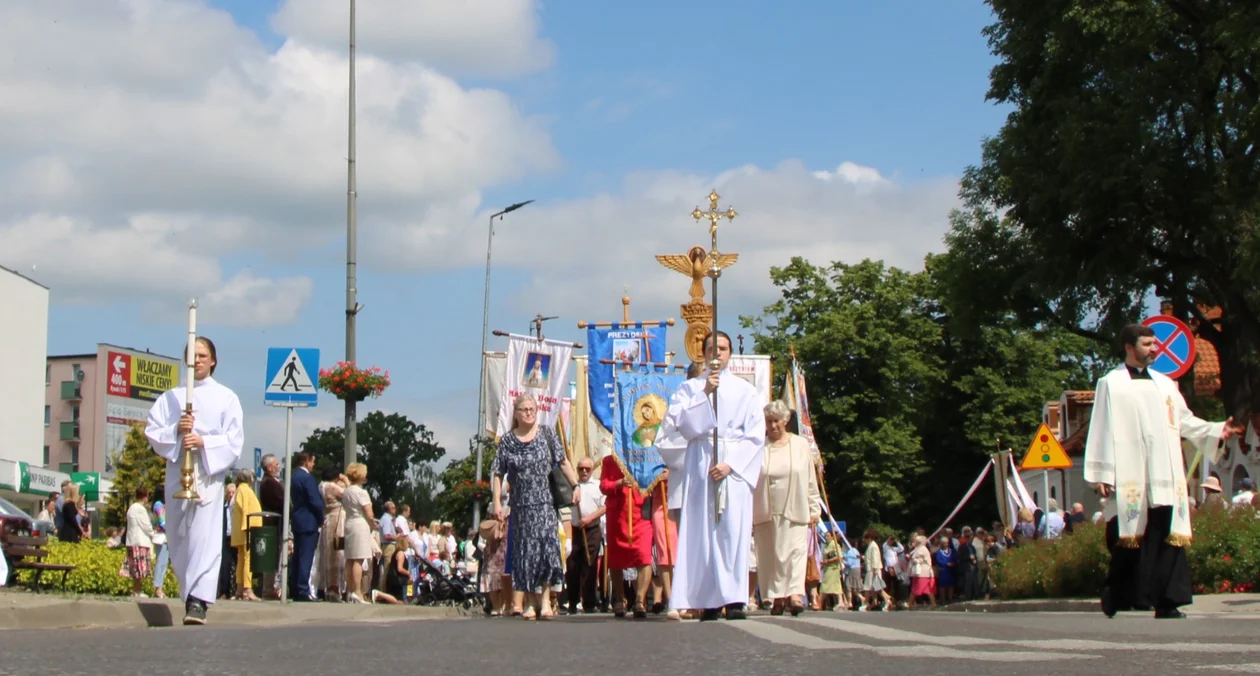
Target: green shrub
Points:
(95, 570)
(1225, 557)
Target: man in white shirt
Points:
(1246, 494)
(401, 521)
(588, 534)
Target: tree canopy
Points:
(135, 465)
(397, 451)
(905, 410)
(1128, 166)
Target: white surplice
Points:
(712, 564)
(1134, 445)
(195, 527)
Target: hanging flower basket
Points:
(351, 383)
(470, 491)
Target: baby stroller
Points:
(435, 588)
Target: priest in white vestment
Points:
(711, 572)
(194, 528)
(1133, 452)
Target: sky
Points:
(157, 150)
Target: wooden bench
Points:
(26, 553)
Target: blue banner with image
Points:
(642, 400)
(631, 342)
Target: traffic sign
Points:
(258, 463)
(1174, 346)
(289, 381)
(1045, 452)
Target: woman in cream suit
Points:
(785, 512)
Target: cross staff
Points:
(714, 216)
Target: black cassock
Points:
(1156, 575)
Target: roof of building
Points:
(92, 355)
(1207, 368)
(15, 272)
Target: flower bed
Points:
(1225, 557)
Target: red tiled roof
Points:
(1080, 396)
(1207, 368)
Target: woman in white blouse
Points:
(785, 512)
(358, 528)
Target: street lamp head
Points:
(516, 206)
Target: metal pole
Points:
(481, 385)
(352, 292)
(485, 336)
(288, 497)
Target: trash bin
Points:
(264, 543)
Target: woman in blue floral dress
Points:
(525, 458)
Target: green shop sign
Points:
(89, 484)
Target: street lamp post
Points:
(485, 331)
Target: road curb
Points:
(156, 613)
(1029, 606)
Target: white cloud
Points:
(170, 135)
(485, 37)
(579, 254)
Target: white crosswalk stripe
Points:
(894, 642)
(1253, 668)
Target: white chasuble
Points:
(1134, 445)
(195, 527)
(712, 565)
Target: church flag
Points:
(797, 399)
(539, 368)
(633, 342)
(754, 368)
(642, 400)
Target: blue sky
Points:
(638, 99)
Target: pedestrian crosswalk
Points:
(827, 633)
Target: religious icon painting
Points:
(627, 349)
(537, 370)
(649, 412)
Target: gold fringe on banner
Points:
(1178, 540)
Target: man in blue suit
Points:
(306, 513)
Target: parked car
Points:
(13, 522)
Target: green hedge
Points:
(95, 570)
(1225, 557)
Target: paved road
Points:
(936, 643)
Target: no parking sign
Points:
(1174, 346)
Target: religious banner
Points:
(632, 342)
(797, 400)
(755, 368)
(537, 367)
(642, 400)
(492, 387)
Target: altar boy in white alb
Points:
(1133, 451)
(194, 528)
(711, 572)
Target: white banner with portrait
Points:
(540, 368)
(755, 368)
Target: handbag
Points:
(561, 489)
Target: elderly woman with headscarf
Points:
(785, 512)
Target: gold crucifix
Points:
(714, 215)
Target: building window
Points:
(74, 372)
(47, 416)
(75, 412)
(74, 456)
(48, 374)
(46, 458)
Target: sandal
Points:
(640, 611)
(619, 609)
(797, 608)
(777, 608)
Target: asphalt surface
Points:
(935, 643)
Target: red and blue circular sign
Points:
(1174, 346)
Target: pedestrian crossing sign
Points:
(289, 379)
(1045, 452)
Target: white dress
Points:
(358, 533)
(194, 528)
(712, 566)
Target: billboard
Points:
(132, 376)
(132, 382)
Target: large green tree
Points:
(396, 450)
(1129, 165)
(135, 465)
(454, 504)
(905, 410)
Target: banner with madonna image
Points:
(641, 402)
